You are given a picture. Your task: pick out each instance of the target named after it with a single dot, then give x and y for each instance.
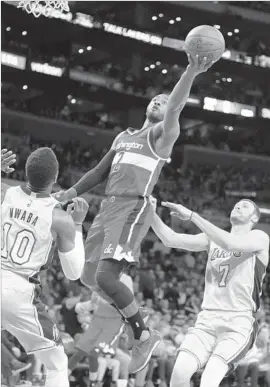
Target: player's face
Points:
(156, 109)
(243, 212)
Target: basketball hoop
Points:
(37, 7)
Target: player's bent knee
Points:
(106, 281)
(115, 363)
(54, 359)
(214, 372)
(184, 368)
(102, 361)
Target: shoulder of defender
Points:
(262, 236)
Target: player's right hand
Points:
(61, 196)
(8, 158)
(198, 66)
(78, 209)
(153, 202)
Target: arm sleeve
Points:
(72, 262)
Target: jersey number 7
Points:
(224, 271)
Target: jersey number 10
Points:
(21, 245)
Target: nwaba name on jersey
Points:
(28, 217)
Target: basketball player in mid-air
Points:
(132, 166)
(225, 330)
(32, 223)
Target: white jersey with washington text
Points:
(27, 242)
(233, 280)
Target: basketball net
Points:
(37, 7)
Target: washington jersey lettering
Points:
(136, 167)
(27, 242)
(233, 280)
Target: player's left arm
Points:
(177, 100)
(251, 242)
(92, 178)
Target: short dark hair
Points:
(256, 209)
(41, 168)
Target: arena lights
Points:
(236, 30)
(158, 63)
(229, 80)
(11, 60)
(160, 15)
(209, 103)
(217, 26)
(193, 101)
(154, 18)
(227, 107)
(133, 34)
(8, 29)
(171, 21)
(73, 101)
(89, 48)
(164, 71)
(229, 128)
(247, 113)
(229, 33)
(265, 211)
(178, 18)
(227, 54)
(265, 113)
(24, 33)
(25, 87)
(152, 66)
(80, 51)
(146, 69)
(45, 68)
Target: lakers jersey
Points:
(136, 166)
(27, 242)
(233, 280)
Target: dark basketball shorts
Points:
(118, 229)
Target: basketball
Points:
(205, 41)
